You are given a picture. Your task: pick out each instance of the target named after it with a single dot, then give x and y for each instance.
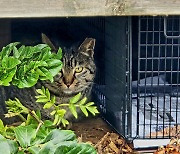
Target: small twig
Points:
(39, 125)
(22, 117)
(102, 140)
(35, 116)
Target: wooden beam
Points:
(66, 8)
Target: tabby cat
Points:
(77, 73)
(76, 76)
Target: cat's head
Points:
(78, 69)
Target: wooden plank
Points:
(65, 8)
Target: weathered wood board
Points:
(66, 8)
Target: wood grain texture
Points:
(65, 8)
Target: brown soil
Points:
(91, 129)
(98, 133)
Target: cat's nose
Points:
(68, 85)
(68, 82)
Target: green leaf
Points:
(57, 135)
(7, 50)
(43, 89)
(34, 150)
(92, 109)
(7, 77)
(48, 123)
(2, 128)
(29, 80)
(61, 112)
(64, 122)
(10, 62)
(53, 100)
(74, 148)
(59, 116)
(75, 99)
(59, 54)
(27, 64)
(56, 119)
(24, 135)
(83, 109)
(13, 146)
(47, 105)
(39, 91)
(42, 100)
(15, 106)
(7, 146)
(90, 104)
(73, 110)
(42, 46)
(83, 101)
(16, 52)
(67, 147)
(55, 70)
(47, 93)
(30, 120)
(48, 75)
(53, 112)
(53, 63)
(4, 146)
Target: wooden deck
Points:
(67, 8)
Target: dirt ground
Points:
(91, 129)
(98, 132)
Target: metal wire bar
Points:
(158, 56)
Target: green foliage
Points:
(29, 139)
(25, 65)
(38, 137)
(8, 146)
(58, 111)
(15, 108)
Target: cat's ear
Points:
(47, 41)
(87, 47)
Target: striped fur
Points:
(77, 73)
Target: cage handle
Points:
(165, 30)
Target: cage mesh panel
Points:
(115, 74)
(158, 75)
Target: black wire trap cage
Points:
(142, 63)
(137, 85)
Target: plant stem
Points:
(33, 114)
(39, 125)
(67, 105)
(22, 118)
(63, 105)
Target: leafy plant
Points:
(29, 140)
(23, 66)
(15, 108)
(58, 112)
(38, 137)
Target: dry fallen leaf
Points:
(112, 143)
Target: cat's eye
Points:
(78, 69)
